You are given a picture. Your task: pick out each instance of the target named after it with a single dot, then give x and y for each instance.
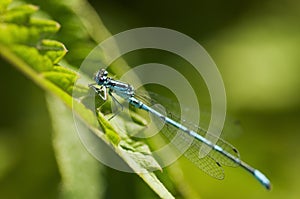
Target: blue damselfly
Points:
(222, 153)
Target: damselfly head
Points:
(101, 76)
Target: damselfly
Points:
(221, 152)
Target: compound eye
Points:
(103, 78)
(105, 73)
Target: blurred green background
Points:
(255, 45)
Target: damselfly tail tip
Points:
(262, 179)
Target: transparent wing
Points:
(213, 161)
(207, 164)
(223, 160)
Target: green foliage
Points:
(255, 45)
(72, 156)
(24, 43)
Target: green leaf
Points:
(24, 45)
(33, 58)
(44, 26)
(72, 157)
(62, 80)
(13, 33)
(19, 14)
(3, 5)
(28, 33)
(54, 50)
